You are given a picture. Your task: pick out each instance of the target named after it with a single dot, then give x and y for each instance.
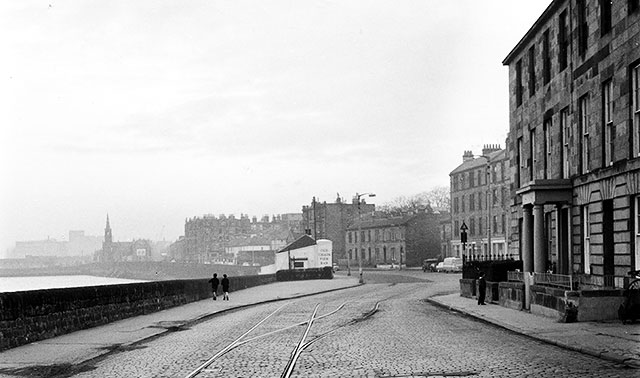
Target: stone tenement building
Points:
(206, 238)
(574, 140)
(403, 240)
(324, 220)
(480, 201)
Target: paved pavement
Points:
(610, 340)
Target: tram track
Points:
(304, 342)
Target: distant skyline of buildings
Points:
(80, 244)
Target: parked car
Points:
(450, 264)
(429, 265)
(336, 267)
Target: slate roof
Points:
(479, 162)
(301, 242)
(381, 222)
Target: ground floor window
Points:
(637, 233)
(586, 236)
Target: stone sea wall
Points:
(29, 316)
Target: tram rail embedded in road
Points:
(299, 348)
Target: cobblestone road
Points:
(406, 337)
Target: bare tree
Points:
(436, 199)
(440, 198)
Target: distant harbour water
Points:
(12, 284)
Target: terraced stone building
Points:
(479, 201)
(574, 140)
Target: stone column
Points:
(527, 239)
(539, 247)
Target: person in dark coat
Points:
(482, 288)
(225, 287)
(214, 285)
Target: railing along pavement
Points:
(568, 282)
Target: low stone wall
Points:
(511, 295)
(493, 292)
(599, 304)
(467, 287)
(30, 316)
(548, 301)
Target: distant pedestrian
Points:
(482, 288)
(225, 287)
(214, 285)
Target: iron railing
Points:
(597, 282)
(568, 282)
(515, 276)
(554, 280)
(491, 257)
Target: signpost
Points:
(463, 237)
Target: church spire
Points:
(107, 232)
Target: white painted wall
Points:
(317, 256)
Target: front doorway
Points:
(607, 236)
(564, 238)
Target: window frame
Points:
(563, 41)
(546, 58)
(532, 154)
(583, 27)
(547, 126)
(565, 130)
(605, 17)
(585, 143)
(520, 162)
(586, 239)
(608, 134)
(519, 89)
(532, 70)
(635, 108)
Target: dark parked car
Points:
(429, 265)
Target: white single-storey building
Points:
(304, 253)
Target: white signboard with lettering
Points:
(325, 252)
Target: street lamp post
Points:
(359, 236)
(489, 206)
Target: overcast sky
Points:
(155, 111)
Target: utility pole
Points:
(315, 236)
(359, 236)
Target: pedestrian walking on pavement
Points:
(482, 289)
(225, 287)
(214, 285)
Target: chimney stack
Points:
(490, 148)
(467, 156)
